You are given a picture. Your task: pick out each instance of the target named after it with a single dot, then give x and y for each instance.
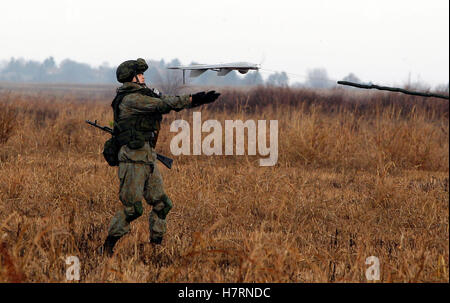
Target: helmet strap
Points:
(137, 79)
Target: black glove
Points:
(204, 98)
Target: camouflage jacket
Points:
(144, 112)
(135, 103)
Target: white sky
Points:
(381, 41)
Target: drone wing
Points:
(221, 69)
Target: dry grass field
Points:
(359, 174)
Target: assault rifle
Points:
(163, 159)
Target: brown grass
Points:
(357, 175)
(7, 122)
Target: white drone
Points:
(221, 69)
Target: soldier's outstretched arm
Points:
(197, 99)
(165, 104)
(146, 104)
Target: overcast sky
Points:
(381, 41)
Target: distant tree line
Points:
(69, 71)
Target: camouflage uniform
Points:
(138, 173)
(137, 116)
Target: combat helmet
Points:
(129, 69)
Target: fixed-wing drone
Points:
(221, 69)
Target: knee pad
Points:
(133, 212)
(163, 207)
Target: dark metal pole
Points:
(392, 89)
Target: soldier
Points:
(138, 113)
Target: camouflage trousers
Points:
(140, 179)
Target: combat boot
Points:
(108, 247)
(156, 240)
